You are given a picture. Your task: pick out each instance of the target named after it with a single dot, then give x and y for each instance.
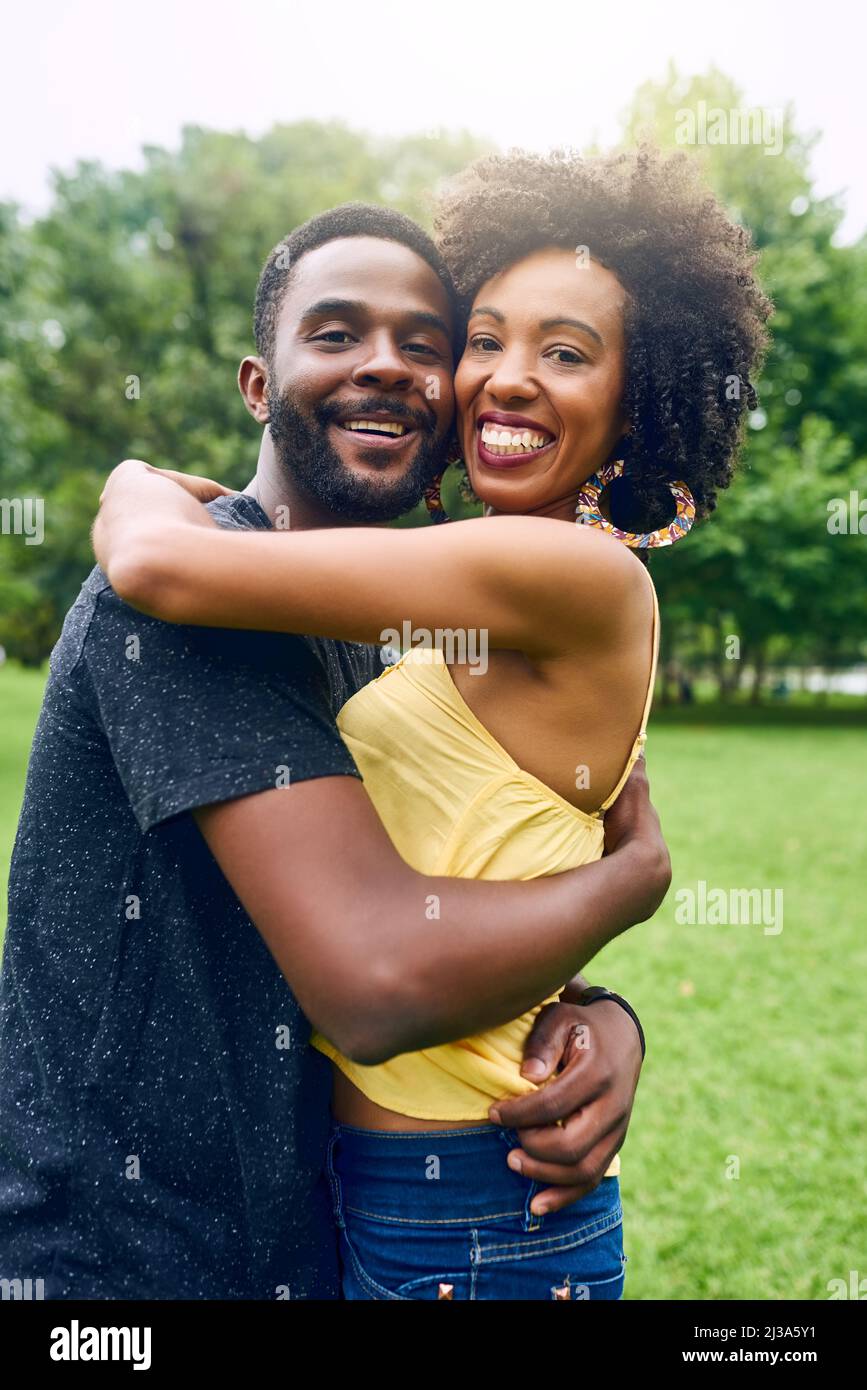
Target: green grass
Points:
(20, 696)
(755, 1041)
(841, 712)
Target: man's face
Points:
(359, 390)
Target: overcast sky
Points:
(98, 78)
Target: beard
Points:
(304, 450)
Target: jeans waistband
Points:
(435, 1177)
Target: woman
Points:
(613, 323)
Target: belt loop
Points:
(333, 1179)
(532, 1222)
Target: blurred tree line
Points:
(767, 569)
(124, 313)
(127, 306)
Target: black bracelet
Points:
(596, 992)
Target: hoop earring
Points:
(588, 514)
(434, 502)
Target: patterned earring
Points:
(434, 502)
(588, 514)
(432, 499)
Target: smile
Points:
(380, 427)
(500, 441)
(508, 443)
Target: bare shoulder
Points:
(586, 580)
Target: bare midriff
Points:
(349, 1106)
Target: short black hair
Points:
(346, 220)
(695, 314)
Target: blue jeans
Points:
(418, 1211)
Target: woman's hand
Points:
(203, 489)
(144, 516)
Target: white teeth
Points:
(501, 441)
(381, 426)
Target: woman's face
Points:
(540, 384)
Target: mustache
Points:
(329, 412)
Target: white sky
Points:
(99, 78)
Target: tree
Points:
(765, 566)
(127, 308)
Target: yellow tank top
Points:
(454, 802)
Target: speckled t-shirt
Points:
(154, 1140)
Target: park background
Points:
(743, 1171)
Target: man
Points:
(163, 1120)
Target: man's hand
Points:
(632, 822)
(588, 1061)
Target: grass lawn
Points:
(20, 696)
(756, 1051)
(756, 1048)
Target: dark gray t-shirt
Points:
(155, 1141)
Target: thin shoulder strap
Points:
(638, 745)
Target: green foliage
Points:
(20, 698)
(126, 308)
(766, 568)
(125, 312)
